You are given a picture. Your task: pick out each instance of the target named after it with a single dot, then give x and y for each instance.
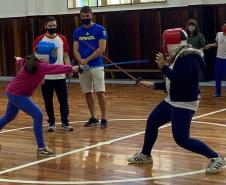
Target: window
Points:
(118, 2)
(81, 3)
(96, 3)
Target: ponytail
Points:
(31, 64)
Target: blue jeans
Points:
(180, 119)
(16, 103)
(220, 66)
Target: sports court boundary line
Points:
(97, 145)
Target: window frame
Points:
(132, 3)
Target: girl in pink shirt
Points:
(22, 86)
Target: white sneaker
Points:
(216, 164)
(140, 158)
(199, 96)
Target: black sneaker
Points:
(91, 122)
(103, 123)
(67, 127)
(51, 128)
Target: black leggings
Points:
(180, 119)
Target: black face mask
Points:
(51, 31)
(86, 21)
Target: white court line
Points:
(24, 128)
(210, 113)
(200, 116)
(210, 123)
(69, 153)
(106, 181)
(97, 145)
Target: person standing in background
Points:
(195, 37)
(88, 47)
(220, 64)
(56, 82)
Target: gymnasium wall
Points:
(19, 8)
(133, 34)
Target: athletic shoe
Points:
(52, 128)
(217, 95)
(67, 127)
(103, 124)
(140, 158)
(45, 152)
(216, 164)
(91, 122)
(199, 97)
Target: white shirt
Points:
(221, 42)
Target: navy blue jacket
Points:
(185, 75)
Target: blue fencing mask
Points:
(47, 51)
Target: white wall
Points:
(213, 1)
(47, 7)
(13, 8)
(17, 8)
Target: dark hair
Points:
(31, 64)
(194, 23)
(86, 9)
(49, 19)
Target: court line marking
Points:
(107, 181)
(72, 122)
(97, 145)
(196, 117)
(210, 123)
(24, 128)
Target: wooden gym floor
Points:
(98, 156)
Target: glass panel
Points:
(149, 1)
(80, 3)
(118, 2)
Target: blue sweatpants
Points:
(180, 119)
(23, 103)
(220, 68)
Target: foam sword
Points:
(87, 67)
(113, 63)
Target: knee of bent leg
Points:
(180, 140)
(8, 118)
(38, 115)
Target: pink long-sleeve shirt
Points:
(24, 84)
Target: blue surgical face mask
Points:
(86, 21)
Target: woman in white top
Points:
(220, 64)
